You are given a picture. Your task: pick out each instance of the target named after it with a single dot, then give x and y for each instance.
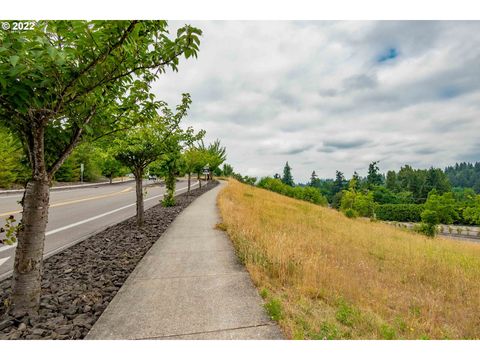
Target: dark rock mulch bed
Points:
(79, 282)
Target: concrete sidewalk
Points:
(190, 285)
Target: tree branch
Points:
(95, 61)
(73, 142)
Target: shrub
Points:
(444, 206)
(306, 193)
(364, 205)
(399, 212)
(471, 214)
(350, 213)
(337, 200)
(244, 179)
(430, 219)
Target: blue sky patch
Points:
(449, 92)
(390, 54)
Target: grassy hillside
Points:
(324, 276)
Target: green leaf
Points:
(14, 60)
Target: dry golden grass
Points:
(326, 276)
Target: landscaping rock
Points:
(79, 283)
(64, 329)
(5, 324)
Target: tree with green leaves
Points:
(11, 167)
(313, 178)
(339, 183)
(391, 181)
(195, 160)
(111, 167)
(227, 170)
(139, 148)
(430, 220)
(436, 179)
(443, 205)
(61, 83)
(147, 143)
(471, 212)
(287, 175)
(357, 179)
(374, 177)
(216, 154)
(354, 203)
(172, 161)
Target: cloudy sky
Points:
(328, 95)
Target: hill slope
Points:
(324, 276)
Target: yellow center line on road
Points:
(63, 203)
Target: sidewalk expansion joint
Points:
(191, 276)
(205, 332)
(186, 251)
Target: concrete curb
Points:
(8, 274)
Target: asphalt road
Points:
(76, 214)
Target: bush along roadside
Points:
(80, 282)
(399, 212)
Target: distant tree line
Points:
(430, 196)
(464, 175)
(427, 196)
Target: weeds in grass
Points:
(387, 332)
(346, 314)
(221, 226)
(264, 294)
(274, 309)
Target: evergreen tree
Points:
(356, 177)
(339, 182)
(374, 177)
(287, 175)
(227, 170)
(313, 178)
(435, 179)
(391, 182)
(464, 175)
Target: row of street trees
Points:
(66, 82)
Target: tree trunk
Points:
(26, 281)
(169, 197)
(111, 179)
(139, 188)
(189, 180)
(199, 181)
(27, 268)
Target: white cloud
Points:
(315, 94)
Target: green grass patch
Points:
(347, 314)
(274, 309)
(387, 332)
(264, 293)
